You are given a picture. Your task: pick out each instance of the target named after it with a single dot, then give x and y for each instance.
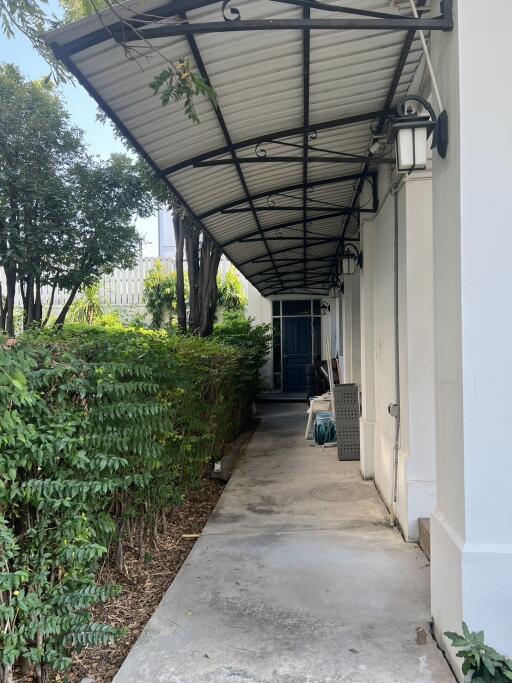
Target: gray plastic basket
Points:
(346, 413)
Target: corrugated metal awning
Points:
(262, 171)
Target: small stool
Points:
(325, 429)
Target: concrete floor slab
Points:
(297, 578)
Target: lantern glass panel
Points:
(349, 266)
(411, 149)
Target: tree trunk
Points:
(29, 301)
(210, 291)
(50, 305)
(23, 298)
(10, 276)
(192, 247)
(179, 234)
(38, 306)
(65, 309)
(3, 309)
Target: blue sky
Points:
(82, 109)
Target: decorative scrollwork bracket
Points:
(234, 12)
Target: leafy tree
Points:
(65, 218)
(231, 291)
(31, 18)
(203, 257)
(38, 145)
(74, 10)
(254, 341)
(177, 81)
(202, 261)
(89, 306)
(160, 295)
(102, 233)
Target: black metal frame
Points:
(314, 269)
(306, 46)
(371, 175)
(220, 118)
(272, 137)
(276, 252)
(402, 60)
(134, 28)
(370, 21)
(283, 226)
(440, 23)
(288, 160)
(176, 8)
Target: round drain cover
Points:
(338, 493)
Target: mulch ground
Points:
(145, 581)
(143, 584)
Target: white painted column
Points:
(355, 285)
(367, 422)
(417, 460)
(472, 525)
(332, 321)
(347, 331)
(352, 329)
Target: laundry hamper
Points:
(346, 412)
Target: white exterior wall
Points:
(384, 384)
(471, 528)
(416, 455)
(260, 308)
(368, 424)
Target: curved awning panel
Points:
(275, 172)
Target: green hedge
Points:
(102, 430)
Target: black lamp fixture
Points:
(411, 130)
(325, 307)
(352, 257)
(335, 288)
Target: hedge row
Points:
(102, 430)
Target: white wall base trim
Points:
(416, 498)
(446, 583)
(367, 431)
(470, 582)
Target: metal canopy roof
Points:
(275, 172)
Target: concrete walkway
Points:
(297, 577)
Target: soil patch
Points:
(144, 582)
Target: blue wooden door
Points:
(296, 352)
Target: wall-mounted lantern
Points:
(325, 308)
(411, 130)
(352, 257)
(335, 289)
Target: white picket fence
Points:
(126, 287)
(123, 288)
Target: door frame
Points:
(312, 315)
(309, 319)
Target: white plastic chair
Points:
(324, 403)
